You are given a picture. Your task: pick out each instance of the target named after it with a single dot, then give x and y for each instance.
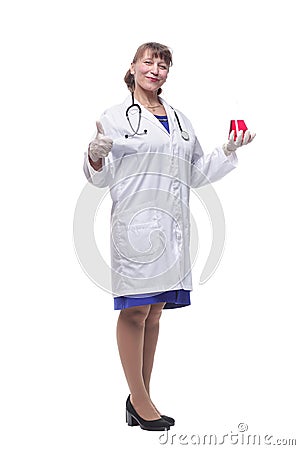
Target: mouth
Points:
(154, 80)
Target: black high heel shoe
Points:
(168, 419)
(133, 418)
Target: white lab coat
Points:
(150, 177)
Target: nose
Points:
(154, 69)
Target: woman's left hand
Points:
(242, 139)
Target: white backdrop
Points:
(231, 357)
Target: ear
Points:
(132, 68)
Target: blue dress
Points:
(164, 121)
(174, 299)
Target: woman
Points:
(149, 156)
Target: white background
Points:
(233, 355)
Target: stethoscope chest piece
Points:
(185, 135)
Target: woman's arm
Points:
(97, 173)
(208, 168)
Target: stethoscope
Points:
(184, 134)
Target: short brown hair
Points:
(158, 50)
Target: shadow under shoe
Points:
(133, 418)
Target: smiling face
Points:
(150, 72)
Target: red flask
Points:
(237, 125)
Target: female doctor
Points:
(149, 156)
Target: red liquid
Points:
(237, 125)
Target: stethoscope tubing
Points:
(184, 134)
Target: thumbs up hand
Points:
(101, 145)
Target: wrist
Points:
(225, 150)
(96, 165)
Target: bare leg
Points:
(150, 341)
(130, 338)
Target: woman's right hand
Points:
(101, 145)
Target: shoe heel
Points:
(131, 420)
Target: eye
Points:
(148, 62)
(162, 66)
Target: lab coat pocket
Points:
(138, 242)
